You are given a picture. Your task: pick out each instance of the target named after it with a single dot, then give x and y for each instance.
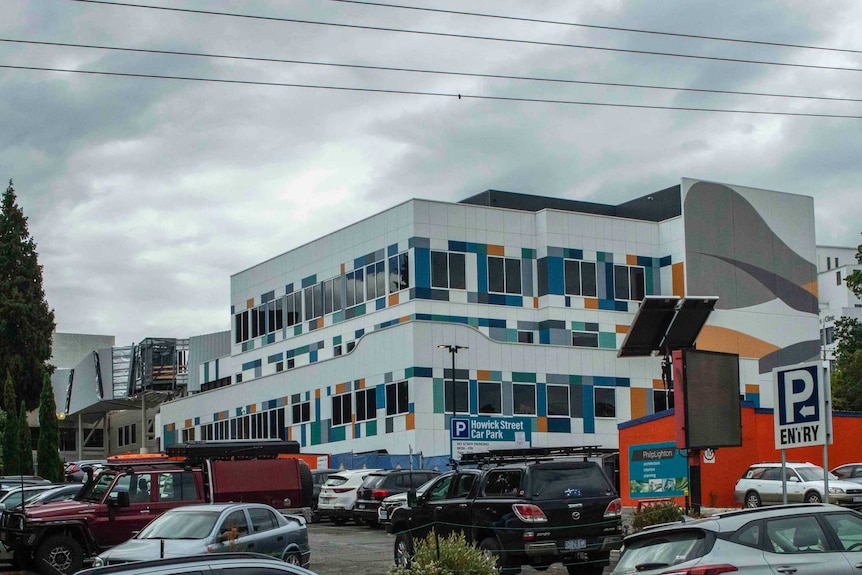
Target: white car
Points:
(338, 494)
(762, 485)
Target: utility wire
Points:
(471, 37)
(598, 27)
(424, 71)
(436, 94)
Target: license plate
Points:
(575, 544)
(382, 514)
(361, 506)
(857, 498)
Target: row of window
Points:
(489, 399)
(325, 297)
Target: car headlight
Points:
(98, 561)
(836, 490)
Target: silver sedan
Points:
(216, 528)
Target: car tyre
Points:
(59, 554)
(492, 548)
(338, 520)
(293, 558)
(752, 499)
(403, 554)
(813, 497)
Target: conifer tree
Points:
(26, 322)
(26, 445)
(48, 448)
(11, 436)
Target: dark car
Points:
(319, 477)
(380, 485)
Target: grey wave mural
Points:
(731, 252)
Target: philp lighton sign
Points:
(475, 434)
(657, 470)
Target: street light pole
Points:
(453, 349)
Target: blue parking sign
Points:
(460, 428)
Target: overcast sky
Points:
(145, 194)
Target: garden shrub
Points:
(456, 557)
(656, 514)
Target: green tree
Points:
(847, 375)
(26, 442)
(11, 437)
(26, 322)
(48, 447)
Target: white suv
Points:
(338, 494)
(761, 485)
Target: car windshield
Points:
(335, 480)
(100, 487)
(812, 473)
(662, 550)
(557, 481)
(181, 525)
(373, 481)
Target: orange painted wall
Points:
(758, 445)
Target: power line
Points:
(471, 37)
(598, 27)
(435, 94)
(424, 71)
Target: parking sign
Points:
(800, 412)
(460, 428)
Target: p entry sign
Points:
(802, 413)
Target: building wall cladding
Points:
(531, 331)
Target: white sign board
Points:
(801, 411)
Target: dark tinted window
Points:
(568, 480)
(457, 272)
(374, 481)
(262, 519)
(664, 548)
(749, 535)
(505, 482)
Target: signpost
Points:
(802, 414)
(477, 434)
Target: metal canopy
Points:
(665, 323)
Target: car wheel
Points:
(339, 520)
(813, 497)
(491, 547)
(752, 499)
(403, 550)
(293, 558)
(59, 554)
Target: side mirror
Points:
(122, 499)
(793, 479)
(2, 506)
(412, 498)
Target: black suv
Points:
(380, 485)
(528, 509)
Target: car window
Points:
(503, 482)
(555, 481)
(770, 474)
(812, 473)
(664, 550)
(374, 481)
(262, 519)
(465, 484)
(842, 472)
(234, 525)
(754, 473)
(848, 529)
(795, 535)
(440, 490)
(256, 570)
(122, 484)
(177, 486)
(749, 535)
(335, 480)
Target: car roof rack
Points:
(531, 454)
(198, 450)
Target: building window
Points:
(558, 400)
(314, 301)
(662, 400)
(629, 283)
(127, 435)
(355, 292)
(241, 327)
(504, 275)
(448, 270)
(580, 278)
(399, 273)
(188, 434)
(585, 339)
(375, 280)
(457, 401)
(332, 294)
(342, 409)
(490, 397)
(523, 399)
(525, 337)
(301, 412)
(838, 278)
(397, 400)
(293, 308)
(606, 401)
(366, 404)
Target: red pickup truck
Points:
(60, 537)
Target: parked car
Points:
(338, 494)
(381, 484)
(75, 472)
(813, 538)
(319, 477)
(18, 480)
(393, 502)
(849, 472)
(761, 484)
(216, 528)
(11, 497)
(55, 493)
(198, 565)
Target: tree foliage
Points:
(11, 437)
(26, 322)
(48, 448)
(26, 442)
(847, 375)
